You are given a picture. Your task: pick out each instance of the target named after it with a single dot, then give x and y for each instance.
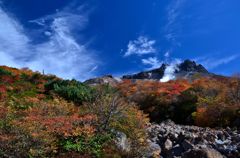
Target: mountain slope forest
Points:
(46, 116)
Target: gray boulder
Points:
(202, 153)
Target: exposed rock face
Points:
(194, 142)
(186, 69)
(107, 79)
(191, 66)
(122, 142)
(152, 74)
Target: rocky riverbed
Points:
(169, 140)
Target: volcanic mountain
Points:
(187, 70)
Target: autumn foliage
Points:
(45, 116)
(209, 101)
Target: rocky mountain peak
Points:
(186, 69)
(191, 66)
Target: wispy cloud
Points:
(171, 28)
(173, 11)
(167, 54)
(211, 62)
(142, 45)
(60, 54)
(153, 62)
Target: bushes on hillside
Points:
(217, 103)
(43, 127)
(92, 145)
(204, 102)
(71, 90)
(114, 115)
(38, 118)
(185, 106)
(160, 100)
(5, 72)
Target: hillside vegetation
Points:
(45, 116)
(206, 102)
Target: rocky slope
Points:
(107, 79)
(168, 140)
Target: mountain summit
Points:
(187, 69)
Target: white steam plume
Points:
(170, 70)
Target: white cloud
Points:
(171, 28)
(12, 38)
(167, 54)
(170, 70)
(213, 62)
(153, 62)
(61, 54)
(174, 10)
(94, 68)
(142, 45)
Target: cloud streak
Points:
(60, 54)
(171, 28)
(213, 62)
(141, 46)
(153, 62)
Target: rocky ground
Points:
(168, 140)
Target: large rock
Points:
(122, 141)
(187, 145)
(202, 153)
(168, 145)
(154, 150)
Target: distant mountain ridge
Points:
(187, 69)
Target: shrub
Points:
(14, 140)
(213, 112)
(18, 143)
(70, 90)
(159, 100)
(5, 72)
(24, 76)
(218, 102)
(93, 145)
(51, 121)
(233, 92)
(19, 104)
(115, 114)
(185, 107)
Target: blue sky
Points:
(86, 38)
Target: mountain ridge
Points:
(186, 69)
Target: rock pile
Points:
(168, 140)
